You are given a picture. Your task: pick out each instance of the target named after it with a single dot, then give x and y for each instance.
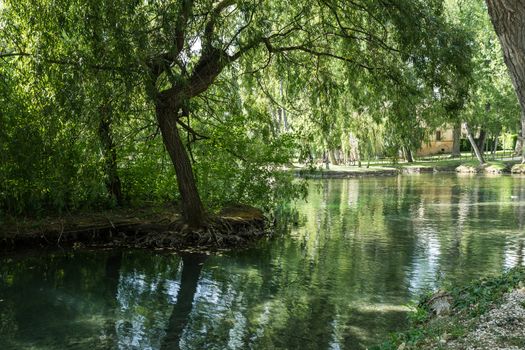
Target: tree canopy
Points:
(205, 102)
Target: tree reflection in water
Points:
(363, 248)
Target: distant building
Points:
(440, 142)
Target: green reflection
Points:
(338, 280)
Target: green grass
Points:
(469, 303)
(444, 164)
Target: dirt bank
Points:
(158, 228)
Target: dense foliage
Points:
(94, 93)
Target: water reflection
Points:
(338, 280)
(191, 270)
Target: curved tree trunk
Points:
(508, 18)
(192, 208)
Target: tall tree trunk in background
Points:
(508, 18)
(481, 139)
(112, 180)
(519, 145)
(474, 145)
(191, 270)
(408, 155)
(192, 208)
(326, 160)
(456, 140)
(496, 143)
(333, 158)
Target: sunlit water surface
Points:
(338, 278)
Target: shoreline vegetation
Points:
(162, 226)
(442, 166)
(488, 313)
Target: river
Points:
(339, 276)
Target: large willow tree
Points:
(175, 51)
(508, 17)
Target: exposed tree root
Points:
(229, 230)
(217, 233)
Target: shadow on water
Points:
(191, 270)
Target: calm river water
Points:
(338, 278)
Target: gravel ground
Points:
(502, 328)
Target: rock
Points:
(518, 169)
(440, 303)
(468, 169)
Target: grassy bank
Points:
(456, 165)
(442, 165)
(485, 314)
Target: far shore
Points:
(441, 166)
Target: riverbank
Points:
(440, 166)
(156, 227)
(343, 171)
(488, 314)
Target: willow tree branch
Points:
(14, 54)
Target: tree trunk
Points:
(326, 161)
(408, 155)
(519, 145)
(333, 158)
(508, 18)
(192, 208)
(456, 136)
(519, 150)
(112, 180)
(474, 145)
(191, 270)
(523, 136)
(279, 120)
(481, 139)
(496, 142)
